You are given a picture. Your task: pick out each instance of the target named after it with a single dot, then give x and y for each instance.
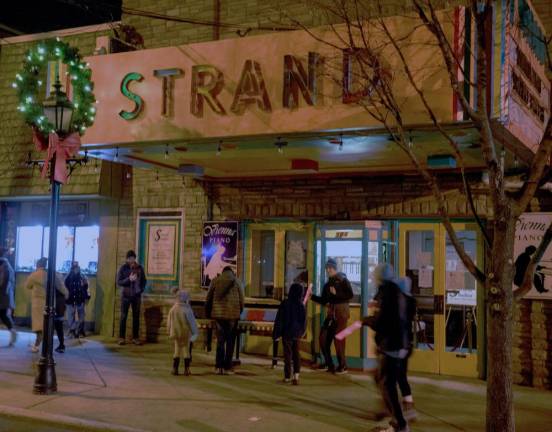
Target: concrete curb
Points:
(62, 420)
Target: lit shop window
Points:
(73, 244)
(262, 267)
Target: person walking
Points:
(59, 319)
(182, 328)
(132, 280)
(37, 283)
(336, 294)
(77, 285)
(290, 325)
(392, 339)
(405, 285)
(225, 304)
(7, 298)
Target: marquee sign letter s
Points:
(138, 101)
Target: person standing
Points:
(290, 325)
(392, 339)
(7, 298)
(132, 280)
(225, 304)
(182, 328)
(77, 285)
(337, 293)
(37, 283)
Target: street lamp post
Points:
(58, 109)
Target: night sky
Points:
(35, 16)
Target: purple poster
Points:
(219, 249)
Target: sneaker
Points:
(136, 342)
(229, 372)
(121, 342)
(295, 380)
(287, 380)
(13, 338)
(219, 371)
(60, 349)
(409, 412)
(341, 370)
(34, 349)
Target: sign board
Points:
(530, 229)
(219, 249)
(159, 247)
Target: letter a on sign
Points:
(251, 89)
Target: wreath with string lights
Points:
(28, 83)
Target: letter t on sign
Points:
(167, 75)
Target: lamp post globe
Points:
(58, 109)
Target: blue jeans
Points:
(75, 317)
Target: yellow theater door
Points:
(447, 318)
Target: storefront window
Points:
(73, 244)
(296, 258)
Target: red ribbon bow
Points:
(61, 148)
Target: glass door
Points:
(447, 322)
(419, 258)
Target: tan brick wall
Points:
(15, 135)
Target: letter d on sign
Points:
(138, 101)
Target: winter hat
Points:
(383, 272)
(183, 297)
(331, 263)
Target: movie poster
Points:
(219, 249)
(530, 229)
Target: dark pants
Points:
(402, 379)
(226, 339)
(387, 378)
(6, 318)
(334, 323)
(291, 354)
(58, 326)
(126, 303)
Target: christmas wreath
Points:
(28, 83)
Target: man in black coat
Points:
(337, 293)
(7, 297)
(132, 280)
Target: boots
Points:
(176, 363)
(187, 362)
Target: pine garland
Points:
(28, 85)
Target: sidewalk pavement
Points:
(107, 387)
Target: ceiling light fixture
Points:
(219, 148)
(340, 148)
(280, 145)
(166, 152)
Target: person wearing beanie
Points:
(336, 294)
(131, 278)
(7, 295)
(405, 285)
(182, 328)
(290, 325)
(393, 341)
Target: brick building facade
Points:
(343, 198)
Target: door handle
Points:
(438, 304)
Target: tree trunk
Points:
(500, 410)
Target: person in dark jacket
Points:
(77, 285)
(522, 262)
(7, 298)
(132, 280)
(337, 293)
(290, 325)
(393, 341)
(59, 319)
(225, 304)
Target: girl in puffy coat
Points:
(182, 328)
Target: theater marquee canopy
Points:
(226, 107)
